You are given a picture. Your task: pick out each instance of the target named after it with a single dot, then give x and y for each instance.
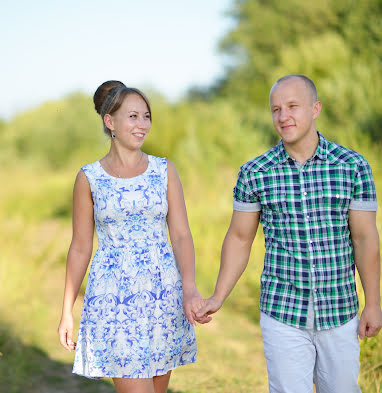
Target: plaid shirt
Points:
(304, 213)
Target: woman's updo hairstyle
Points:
(109, 97)
(102, 92)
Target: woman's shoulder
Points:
(90, 166)
(158, 165)
(158, 162)
(157, 158)
(91, 170)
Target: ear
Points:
(108, 120)
(316, 109)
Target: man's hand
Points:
(371, 322)
(211, 305)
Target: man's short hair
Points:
(309, 83)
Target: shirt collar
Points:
(321, 151)
(322, 148)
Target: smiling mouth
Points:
(287, 127)
(139, 135)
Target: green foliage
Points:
(336, 43)
(208, 136)
(263, 30)
(55, 132)
(40, 196)
(2, 126)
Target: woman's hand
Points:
(192, 303)
(65, 331)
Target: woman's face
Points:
(131, 122)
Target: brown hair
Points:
(102, 92)
(109, 97)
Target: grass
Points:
(230, 347)
(33, 245)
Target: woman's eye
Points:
(133, 116)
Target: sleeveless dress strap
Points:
(90, 174)
(163, 169)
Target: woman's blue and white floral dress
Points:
(132, 323)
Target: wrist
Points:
(218, 297)
(372, 299)
(67, 312)
(189, 286)
(375, 304)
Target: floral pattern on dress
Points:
(132, 323)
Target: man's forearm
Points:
(367, 260)
(234, 259)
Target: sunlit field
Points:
(208, 134)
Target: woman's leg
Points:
(134, 385)
(161, 383)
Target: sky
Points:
(52, 48)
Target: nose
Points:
(141, 122)
(283, 114)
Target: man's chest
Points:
(323, 191)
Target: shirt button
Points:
(313, 265)
(310, 241)
(307, 216)
(305, 193)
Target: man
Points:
(317, 203)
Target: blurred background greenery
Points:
(208, 134)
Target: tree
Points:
(336, 43)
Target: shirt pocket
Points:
(336, 207)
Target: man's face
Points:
(293, 111)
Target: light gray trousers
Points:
(298, 357)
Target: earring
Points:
(112, 135)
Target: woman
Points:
(137, 320)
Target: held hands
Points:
(210, 306)
(65, 331)
(198, 309)
(370, 322)
(192, 302)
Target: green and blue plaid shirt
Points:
(304, 213)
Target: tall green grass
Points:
(34, 243)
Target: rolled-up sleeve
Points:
(364, 195)
(244, 195)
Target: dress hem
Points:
(114, 376)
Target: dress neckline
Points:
(126, 178)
